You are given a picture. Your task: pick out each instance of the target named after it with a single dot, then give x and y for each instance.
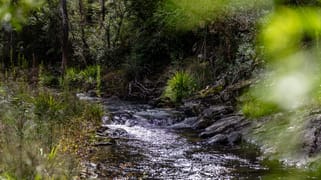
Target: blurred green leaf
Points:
(16, 12)
(287, 30)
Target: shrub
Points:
(49, 114)
(90, 77)
(180, 86)
(71, 78)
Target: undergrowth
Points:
(88, 78)
(41, 131)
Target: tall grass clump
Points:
(49, 115)
(179, 86)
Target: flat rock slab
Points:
(216, 111)
(187, 123)
(218, 139)
(211, 115)
(225, 139)
(224, 126)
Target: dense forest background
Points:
(132, 43)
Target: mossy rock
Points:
(209, 91)
(162, 102)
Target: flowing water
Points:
(146, 147)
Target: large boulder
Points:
(185, 124)
(225, 139)
(192, 108)
(234, 137)
(224, 125)
(216, 111)
(218, 139)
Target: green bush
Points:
(71, 78)
(180, 86)
(90, 77)
(47, 105)
(49, 114)
(89, 74)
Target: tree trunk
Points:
(108, 35)
(81, 11)
(103, 10)
(65, 32)
(90, 12)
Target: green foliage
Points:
(255, 107)
(291, 41)
(25, 149)
(15, 12)
(49, 111)
(200, 70)
(186, 15)
(180, 86)
(71, 75)
(47, 79)
(90, 74)
(288, 29)
(53, 153)
(47, 106)
(94, 113)
(33, 126)
(86, 78)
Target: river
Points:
(146, 146)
